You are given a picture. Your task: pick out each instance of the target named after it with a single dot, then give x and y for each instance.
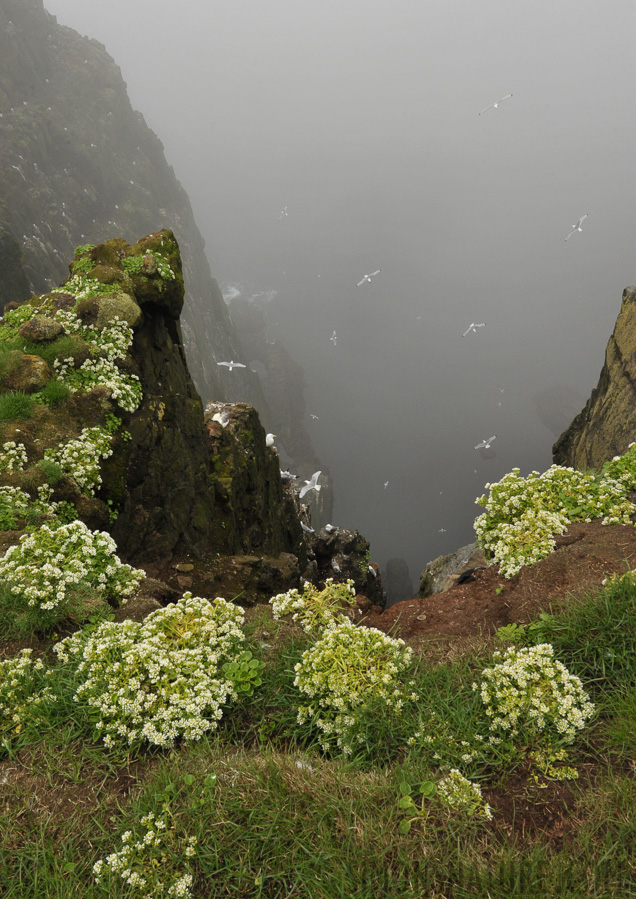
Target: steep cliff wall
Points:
(607, 424)
(175, 495)
(78, 164)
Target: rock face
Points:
(607, 424)
(14, 286)
(441, 574)
(78, 164)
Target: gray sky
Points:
(362, 118)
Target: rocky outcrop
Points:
(441, 573)
(78, 164)
(343, 555)
(607, 424)
(14, 286)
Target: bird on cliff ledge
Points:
(232, 364)
(269, 440)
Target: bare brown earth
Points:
(584, 556)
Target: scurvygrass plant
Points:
(80, 458)
(346, 673)
(23, 690)
(147, 864)
(160, 680)
(13, 456)
(531, 697)
(46, 568)
(523, 514)
(315, 609)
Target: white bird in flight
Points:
(368, 277)
(283, 213)
(232, 364)
(473, 327)
(311, 484)
(495, 105)
(577, 227)
(333, 338)
(315, 417)
(485, 444)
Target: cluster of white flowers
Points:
(80, 458)
(142, 863)
(160, 679)
(46, 566)
(529, 692)
(350, 669)
(13, 456)
(13, 505)
(523, 514)
(459, 794)
(20, 691)
(315, 609)
(108, 346)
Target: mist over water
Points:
(361, 118)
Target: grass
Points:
(15, 406)
(274, 817)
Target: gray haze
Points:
(362, 118)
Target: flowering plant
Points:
(13, 456)
(142, 863)
(348, 671)
(80, 458)
(523, 514)
(529, 693)
(315, 609)
(45, 567)
(22, 691)
(160, 679)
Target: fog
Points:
(362, 119)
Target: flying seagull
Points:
(315, 417)
(386, 484)
(473, 327)
(485, 444)
(368, 277)
(283, 213)
(232, 364)
(577, 227)
(333, 338)
(311, 484)
(496, 104)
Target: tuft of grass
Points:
(54, 393)
(52, 471)
(15, 406)
(595, 637)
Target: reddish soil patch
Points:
(584, 556)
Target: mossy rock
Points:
(100, 311)
(29, 375)
(41, 328)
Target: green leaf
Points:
(210, 780)
(404, 826)
(189, 779)
(428, 789)
(406, 802)
(405, 788)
